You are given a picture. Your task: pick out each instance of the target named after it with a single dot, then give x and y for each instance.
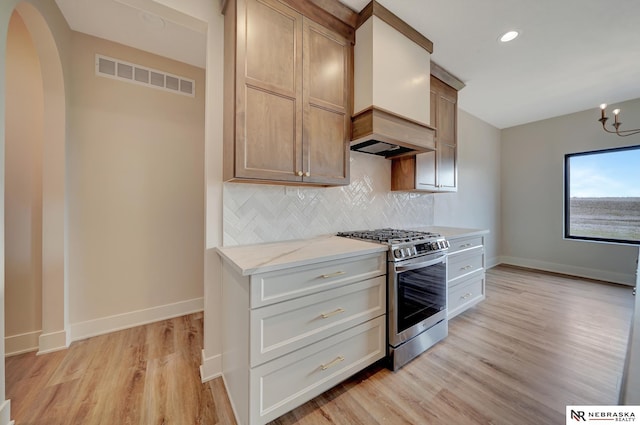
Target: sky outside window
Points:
(608, 174)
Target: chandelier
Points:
(616, 122)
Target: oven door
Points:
(417, 296)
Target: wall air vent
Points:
(137, 74)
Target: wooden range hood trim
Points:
(382, 125)
(376, 9)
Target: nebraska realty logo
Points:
(602, 414)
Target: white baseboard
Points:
(22, 343)
(118, 322)
(605, 275)
(5, 413)
(52, 341)
(233, 406)
(492, 262)
(211, 367)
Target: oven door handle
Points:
(400, 269)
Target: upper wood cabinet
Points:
(435, 171)
(287, 95)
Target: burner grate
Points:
(389, 236)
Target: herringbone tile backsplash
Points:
(255, 213)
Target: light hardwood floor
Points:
(538, 342)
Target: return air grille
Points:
(137, 74)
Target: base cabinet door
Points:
(289, 381)
(466, 294)
(465, 273)
(292, 333)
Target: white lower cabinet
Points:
(465, 274)
(281, 350)
(289, 381)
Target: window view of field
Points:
(606, 218)
(603, 194)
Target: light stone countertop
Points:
(453, 232)
(266, 257)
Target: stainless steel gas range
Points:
(417, 290)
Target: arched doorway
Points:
(24, 135)
(54, 293)
(54, 251)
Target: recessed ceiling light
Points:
(508, 36)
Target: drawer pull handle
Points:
(332, 363)
(467, 245)
(465, 267)
(330, 275)
(465, 296)
(332, 313)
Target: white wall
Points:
(136, 184)
(476, 204)
(23, 191)
(532, 196)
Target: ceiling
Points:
(571, 55)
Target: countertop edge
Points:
(267, 257)
(279, 260)
(458, 232)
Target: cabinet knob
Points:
(307, 174)
(300, 173)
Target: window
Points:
(602, 195)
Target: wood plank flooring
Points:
(538, 342)
(146, 375)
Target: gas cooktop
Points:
(403, 244)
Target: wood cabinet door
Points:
(268, 91)
(446, 137)
(326, 92)
(426, 163)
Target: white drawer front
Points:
(463, 244)
(465, 263)
(289, 381)
(280, 328)
(468, 293)
(282, 285)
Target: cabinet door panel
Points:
(447, 167)
(426, 170)
(327, 152)
(270, 136)
(288, 381)
(272, 38)
(446, 120)
(269, 92)
(326, 103)
(327, 68)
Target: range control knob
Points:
(397, 253)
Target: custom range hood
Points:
(391, 86)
